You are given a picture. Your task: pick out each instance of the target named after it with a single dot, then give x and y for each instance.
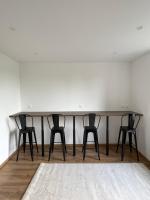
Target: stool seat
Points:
(57, 129)
(124, 128)
(90, 128)
(27, 130)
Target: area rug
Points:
(90, 182)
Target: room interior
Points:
(72, 59)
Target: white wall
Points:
(9, 103)
(76, 86)
(141, 100)
(73, 86)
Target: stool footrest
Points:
(57, 143)
(32, 142)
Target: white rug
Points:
(90, 182)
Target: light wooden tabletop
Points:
(77, 113)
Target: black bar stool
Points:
(93, 129)
(56, 129)
(24, 130)
(133, 122)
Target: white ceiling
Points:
(74, 30)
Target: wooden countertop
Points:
(77, 113)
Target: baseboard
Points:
(69, 145)
(144, 157)
(77, 145)
(5, 162)
(92, 145)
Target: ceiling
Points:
(74, 30)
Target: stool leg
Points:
(125, 136)
(31, 144)
(98, 151)
(24, 142)
(50, 146)
(136, 147)
(130, 141)
(118, 140)
(97, 145)
(18, 146)
(84, 145)
(123, 142)
(95, 141)
(63, 144)
(84, 134)
(35, 140)
(53, 139)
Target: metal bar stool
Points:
(24, 130)
(133, 123)
(56, 129)
(93, 129)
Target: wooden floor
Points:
(15, 176)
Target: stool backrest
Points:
(23, 121)
(92, 117)
(133, 121)
(55, 120)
